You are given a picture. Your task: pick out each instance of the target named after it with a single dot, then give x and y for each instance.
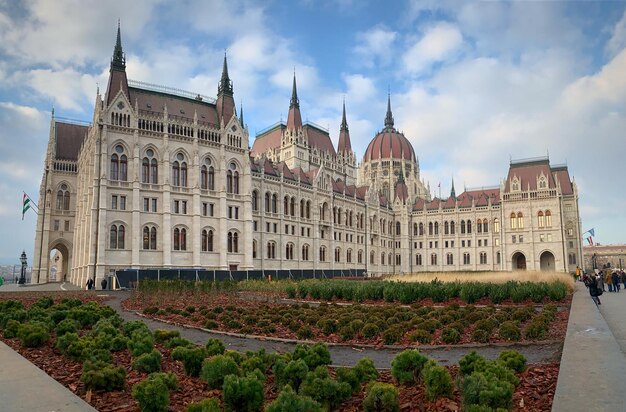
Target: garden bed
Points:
(64, 325)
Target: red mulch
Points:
(138, 302)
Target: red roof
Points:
(68, 138)
(389, 144)
(267, 140)
(401, 191)
(177, 107)
(528, 172)
(319, 139)
(561, 174)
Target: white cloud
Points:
(437, 44)
(617, 42)
(375, 46)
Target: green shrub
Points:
(393, 334)
(304, 332)
(177, 342)
(162, 335)
(322, 388)
(437, 380)
(148, 362)
(58, 315)
(214, 347)
(535, 330)
(66, 326)
(484, 389)
(191, 357)
(458, 325)
(407, 366)
(85, 315)
(76, 347)
(33, 334)
(140, 342)
(346, 333)
(152, 394)
(214, 369)
(11, 329)
(450, 336)
(370, 330)
(102, 376)
(133, 326)
(291, 291)
(471, 362)
(313, 355)
(290, 373)
(44, 302)
(151, 310)
(211, 325)
(480, 335)
(510, 331)
(365, 370)
(288, 400)
(242, 393)
(119, 343)
(557, 291)
(327, 326)
(422, 336)
(97, 355)
(205, 405)
(488, 325)
(523, 314)
(381, 397)
(513, 360)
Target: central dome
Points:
(389, 143)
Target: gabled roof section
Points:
(433, 204)
(450, 203)
(319, 138)
(268, 139)
(401, 191)
(419, 204)
(561, 175)
(284, 169)
(361, 191)
(528, 171)
(177, 106)
(69, 139)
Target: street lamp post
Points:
(23, 272)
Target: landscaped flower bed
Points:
(122, 366)
(382, 324)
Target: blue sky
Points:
(473, 84)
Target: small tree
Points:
(407, 366)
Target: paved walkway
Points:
(592, 376)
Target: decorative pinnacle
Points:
(344, 123)
(225, 85)
(389, 116)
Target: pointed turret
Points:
(225, 102)
(117, 72)
(452, 192)
(241, 115)
(344, 145)
(389, 116)
(294, 119)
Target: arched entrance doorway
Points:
(546, 262)
(58, 265)
(519, 261)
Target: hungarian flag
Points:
(590, 240)
(25, 204)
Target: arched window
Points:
(305, 252)
(513, 221)
(466, 259)
(267, 202)
(479, 226)
(485, 226)
(302, 203)
(462, 227)
(207, 175)
(436, 228)
(289, 251)
(418, 259)
(430, 228)
(232, 179)
(119, 164)
(255, 200)
(360, 257)
(149, 237)
(145, 170)
(548, 218)
(469, 226)
(179, 171)
(541, 220)
(63, 198)
(382, 258)
(113, 237)
(452, 228)
(322, 254)
(292, 206)
(233, 242)
(204, 239)
(337, 255)
(115, 167)
(449, 259)
(271, 250)
(397, 228)
(414, 229)
(286, 206)
(349, 256)
(496, 225)
(421, 229)
(180, 239)
(308, 209)
(498, 258)
(274, 203)
(149, 168)
(520, 220)
(433, 259)
(372, 258)
(446, 228)
(121, 232)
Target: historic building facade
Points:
(166, 179)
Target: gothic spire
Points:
(344, 144)
(294, 119)
(452, 192)
(241, 115)
(389, 116)
(119, 58)
(294, 94)
(226, 85)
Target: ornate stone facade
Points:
(165, 179)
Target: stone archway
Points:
(546, 262)
(519, 261)
(58, 266)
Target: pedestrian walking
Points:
(600, 281)
(89, 284)
(615, 280)
(594, 288)
(623, 278)
(103, 283)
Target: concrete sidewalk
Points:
(592, 375)
(25, 387)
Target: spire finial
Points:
(226, 85)
(389, 116)
(344, 122)
(119, 58)
(294, 92)
(452, 191)
(241, 113)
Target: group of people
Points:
(91, 284)
(598, 281)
